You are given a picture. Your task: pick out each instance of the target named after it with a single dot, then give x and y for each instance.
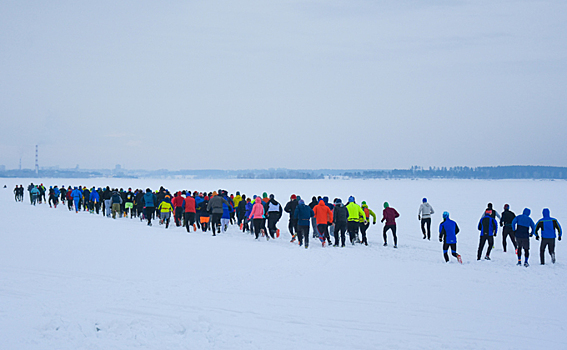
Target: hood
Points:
(301, 202)
(386, 205)
(264, 195)
(351, 199)
(326, 199)
(527, 212)
(257, 200)
(545, 213)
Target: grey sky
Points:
(296, 84)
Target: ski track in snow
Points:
(82, 281)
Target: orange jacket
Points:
(323, 214)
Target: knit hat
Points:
(363, 203)
(293, 196)
(386, 205)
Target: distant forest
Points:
(498, 172)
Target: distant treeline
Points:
(498, 172)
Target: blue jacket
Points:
(522, 224)
(76, 194)
(95, 197)
(57, 192)
(303, 214)
(488, 226)
(226, 209)
(448, 230)
(248, 209)
(150, 199)
(548, 225)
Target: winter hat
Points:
(363, 203)
(445, 215)
(351, 199)
(386, 205)
(272, 196)
(293, 196)
(301, 201)
(238, 193)
(424, 200)
(506, 206)
(264, 195)
(338, 201)
(489, 205)
(298, 198)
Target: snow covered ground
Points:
(81, 281)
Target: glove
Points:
(537, 238)
(440, 240)
(559, 238)
(374, 223)
(419, 217)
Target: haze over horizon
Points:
(284, 84)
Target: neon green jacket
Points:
(355, 212)
(370, 213)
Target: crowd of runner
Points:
(259, 216)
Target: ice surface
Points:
(82, 281)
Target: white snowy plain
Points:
(81, 281)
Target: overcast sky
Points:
(295, 84)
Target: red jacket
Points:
(189, 204)
(177, 201)
(323, 214)
(390, 215)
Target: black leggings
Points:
(352, 227)
(453, 250)
(550, 244)
(523, 243)
(507, 231)
(340, 227)
(426, 222)
(363, 228)
(393, 228)
(483, 240)
(303, 234)
(258, 226)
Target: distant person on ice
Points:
(448, 230)
(424, 215)
(488, 229)
(389, 215)
(548, 226)
(523, 227)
